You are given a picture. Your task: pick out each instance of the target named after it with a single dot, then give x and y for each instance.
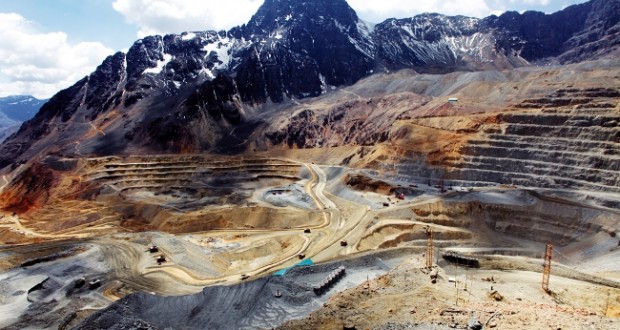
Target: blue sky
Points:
(47, 45)
(82, 20)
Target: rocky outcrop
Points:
(436, 43)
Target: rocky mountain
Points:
(433, 42)
(20, 107)
(14, 110)
(194, 91)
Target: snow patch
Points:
(23, 101)
(340, 27)
(221, 47)
(365, 28)
(188, 36)
(365, 49)
(207, 72)
(478, 46)
(160, 65)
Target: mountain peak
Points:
(274, 14)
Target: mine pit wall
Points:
(568, 140)
(131, 191)
(528, 161)
(555, 223)
(488, 166)
(240, 218)
(421, 237)
(137, 216)
(563, 225)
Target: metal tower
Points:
(547, 267)
(429, 248)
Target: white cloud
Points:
(377, 11)
(175, 16)
(41, 64)
(532, 2)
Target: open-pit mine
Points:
(309, 170)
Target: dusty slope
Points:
(406, 299)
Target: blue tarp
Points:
(305, 262)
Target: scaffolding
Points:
(429, 248)
(547, 267)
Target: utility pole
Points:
(547, 267)
(456, 280)
(429, 248)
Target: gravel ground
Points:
(249, 305)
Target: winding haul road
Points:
(319, 240)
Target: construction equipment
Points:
(92, 285)
(331, 279)
(460, 259)
(160, 259)
(80, 282)
(547, 267)
(278, 294)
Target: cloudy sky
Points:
(47, 45)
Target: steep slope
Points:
(437, 43)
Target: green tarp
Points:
(305, 262)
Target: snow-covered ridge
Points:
(221, 47)
(160, 65)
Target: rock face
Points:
(437, 44)
(190, 92)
